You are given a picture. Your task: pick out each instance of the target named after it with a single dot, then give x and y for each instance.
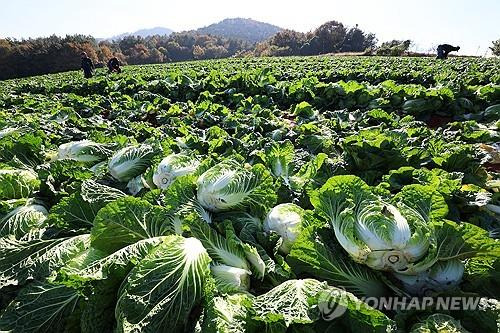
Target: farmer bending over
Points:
(444, 49)
(87, 66)
(114, 65)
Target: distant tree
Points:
(290, 38)
(185, 39)
(198, 52)
(164, 51)
(178, 52)
(234, 46)
(394, 47)
(358, 41)
(328, 37)
(155, 56)
(215, 52)
(262, 49)
(496, 47)
(6, 49)
(105, 51)
(288, 41)
(128, 42)
(137, 54)
(202, 40)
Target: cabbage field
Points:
(321, 194)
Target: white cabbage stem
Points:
(286, 220)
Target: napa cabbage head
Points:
(305, 110)
(129, 162)
(83, 151)
(286, 220)
(382, 235)
(17, 183)
(227, 313)
(160, 293)
(23, 219)
(229, 278)
(230, 267)
(229, 185)
(279, 157)
(173, 166)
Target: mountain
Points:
(235, 28)
(240, 28)
(145, 33)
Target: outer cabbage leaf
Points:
(17, 183)
(289, 302)
(230, 267)
(97, 265)
(98, 313)
(95, 192)
(27, 147)
(311, 256)
(228, 186)
(73, 212)
(354, 314)
(426, 200)
(21, 261)
(22, 220)
(80, 208)
(161, 291)
(464, 240)
(229, 314)
(128, 220)
(482, 276)
(130, 162)
(40, 307)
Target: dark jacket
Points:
(113, 63)
(444, 49)
(448, 48)
(87, 66)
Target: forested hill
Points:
(240, 28)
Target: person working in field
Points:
(87, 66)
(114, 65)
(444, 49)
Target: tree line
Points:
(331, 37)
(27, 57)
(21, 58)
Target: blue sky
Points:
(470, 24)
